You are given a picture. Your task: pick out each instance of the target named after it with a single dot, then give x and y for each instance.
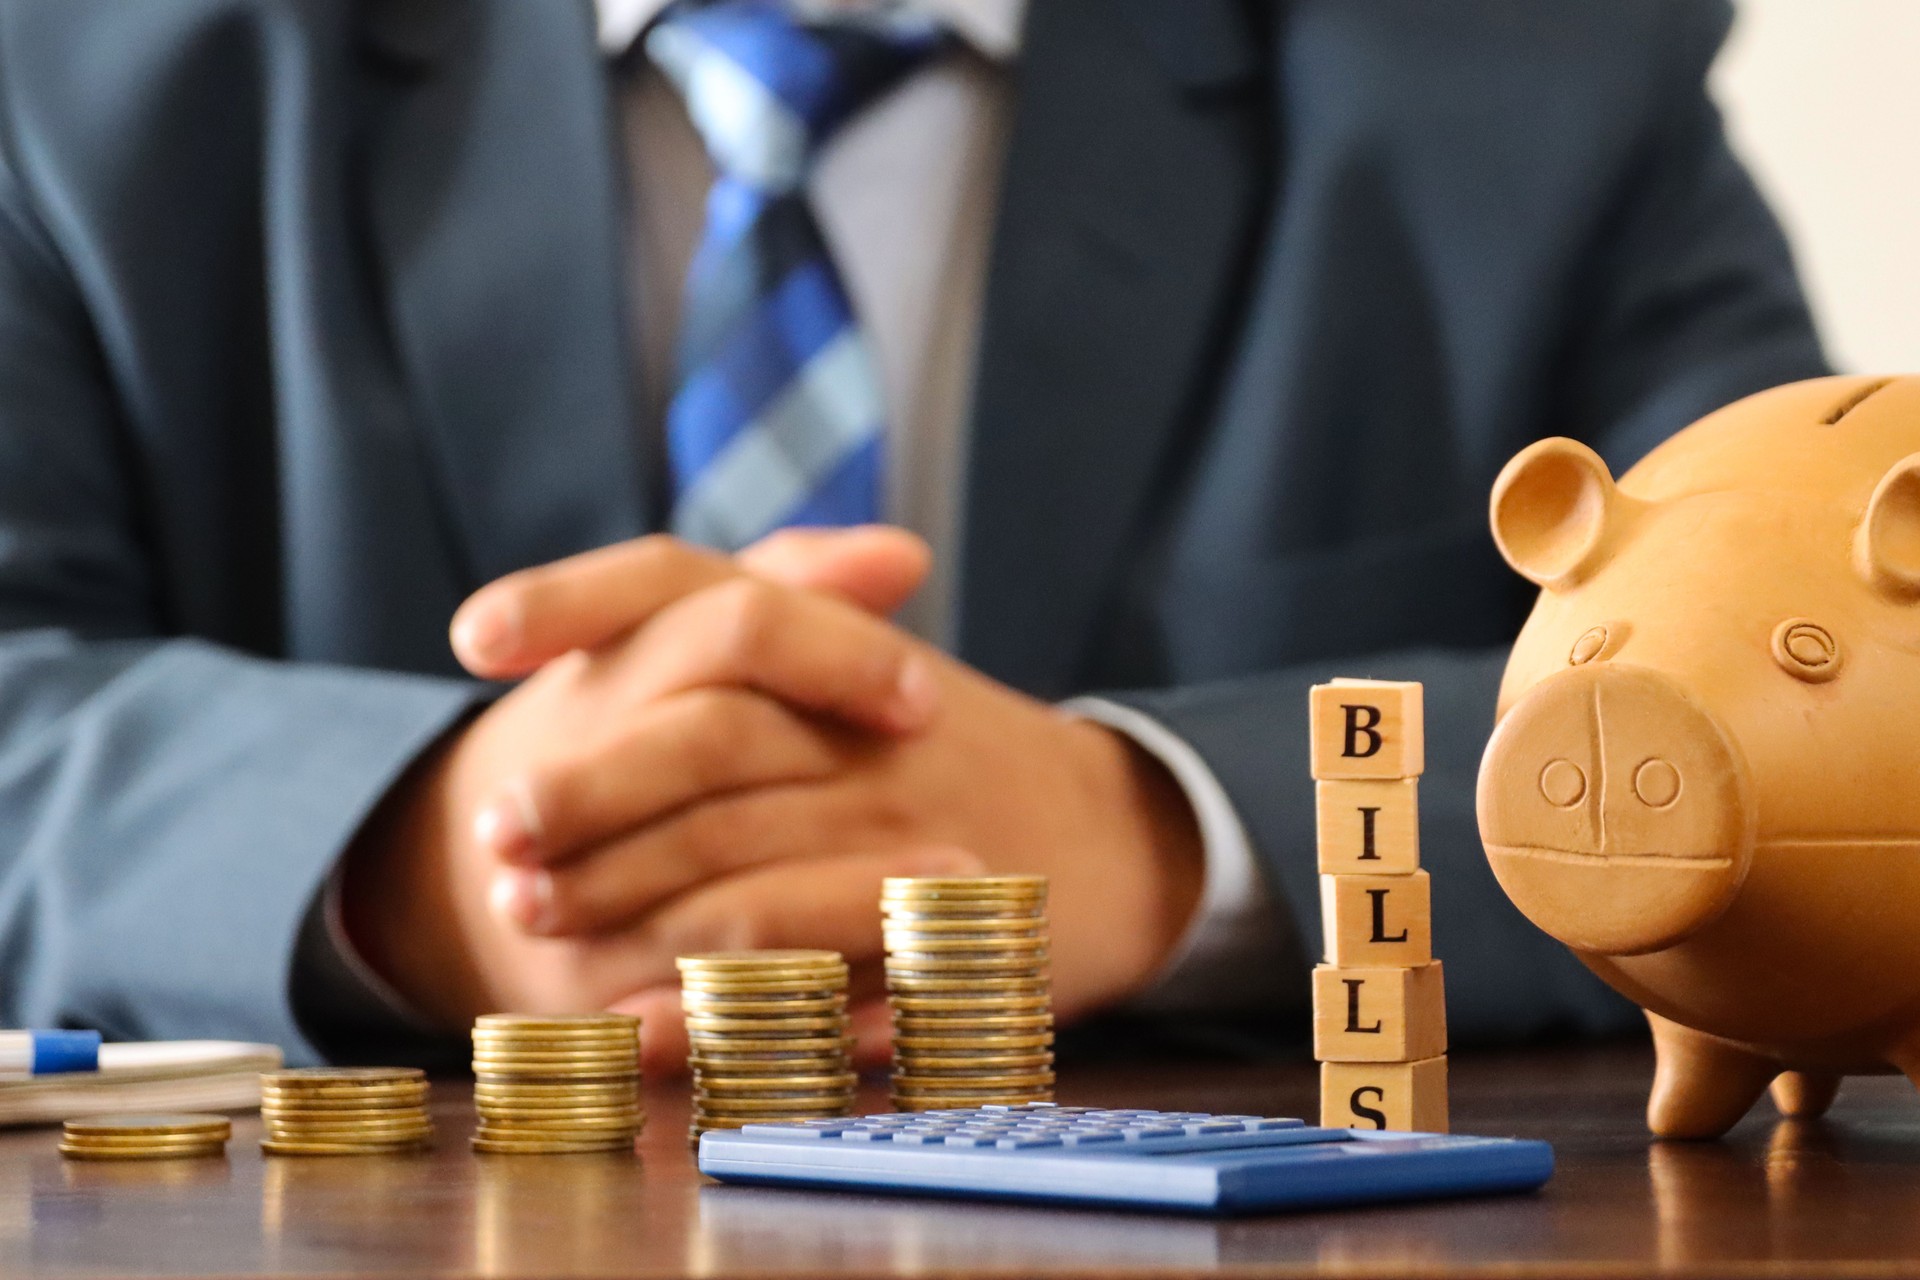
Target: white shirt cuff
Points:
(1230, 955)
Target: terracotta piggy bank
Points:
(1705, 778)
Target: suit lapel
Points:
(494, 209)
(1135, 174)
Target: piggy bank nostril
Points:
(1657, 783)
(1563, 784)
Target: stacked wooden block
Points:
(1379, 1006)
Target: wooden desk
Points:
(1776, 1200)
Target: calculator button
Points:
(969, 1140)
(1214, 1126)
(868, 1135)
(813, 1129)
(1152, 1133)
(919, 1138)
(1088, 1137)
(1027, 1142)
(1275, 1122)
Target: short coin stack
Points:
(556, 1084)
(767, 1037)
(344, 1111)
(968, 982)
(1379, 1003)
(165, 1137)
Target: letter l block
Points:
(1377, 921)
(1379, 1015)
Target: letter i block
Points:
(1379, 1015)
(1410, 1097)
(1369, 828)
(1383, 922)
(1367, 729)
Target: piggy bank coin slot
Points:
(1806, 650)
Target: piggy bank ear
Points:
(1552, 506)
(1887, 548)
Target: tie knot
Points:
(766, 85)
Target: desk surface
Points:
(1840, 1198)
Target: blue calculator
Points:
(1183, 1161)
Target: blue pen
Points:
(43, 1053)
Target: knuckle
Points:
(749, 611)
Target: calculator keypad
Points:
(1032, 1127)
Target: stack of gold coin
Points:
(145, 1137)
(767, 1037)
(556, 1084)
(344, 1111)
(967, 980)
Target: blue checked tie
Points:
(778, 418)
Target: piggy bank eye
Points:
(1596, 643)
(1806, 650)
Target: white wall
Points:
(1823, 101)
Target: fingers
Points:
(515, 624)
(877, 567)
(512, 626)
(806, 649)
(688, 747)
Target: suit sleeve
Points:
(1688, 300)
(168, 807)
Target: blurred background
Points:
(1823, 101)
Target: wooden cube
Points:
(1379, 1015)
(1410, 1097)
(1377, 921)
(1367, 729)
(1369, 828)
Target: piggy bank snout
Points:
(1616, 810)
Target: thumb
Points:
(877, 567)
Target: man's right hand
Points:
(419, 880)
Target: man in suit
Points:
(1200, 328)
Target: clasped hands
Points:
(707, 752)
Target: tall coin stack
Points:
(1379, 1002)
(344, 1111)
(556, 1084)
(768, 1037)
(972, 1001)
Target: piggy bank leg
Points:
(1805, 1095)
(1701, 1085)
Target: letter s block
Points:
(1410, 1097)
(1377, 921)
(1369, 828)
(1379, 1015)
(1368, 729)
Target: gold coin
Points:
(946, 1024)
(967, 948)
(728, 1042)
(525, 1063)
(551, 1147)
(597, 1101)
(764, 1085)
(931, 984)
(920, 1105)
(555, 1021)
(969, 1004)
(122, 1142)
(380, 1131)
(916, 1062)
(784, 1008)
(361, 1100)
(712, 961)
(305, 1125)
(558, 1132)
(827, 1104)
(185, 1152)
(730, 1067)
(1015, 924)
(917, 1086)
(967, 966)
(342, 1115)
(770, 988)
(982, 1042)
(592, 1030)
(179, 1124)
(713, 1024)
(275, 1147)
(1023, 883)
(335, 1077)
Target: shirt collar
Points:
(992, 27)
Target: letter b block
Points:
(1377, 921)
(1410, 1097)
(1367, 729)
(1379, 1015)
(1369, 828)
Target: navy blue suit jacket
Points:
(312, 320)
